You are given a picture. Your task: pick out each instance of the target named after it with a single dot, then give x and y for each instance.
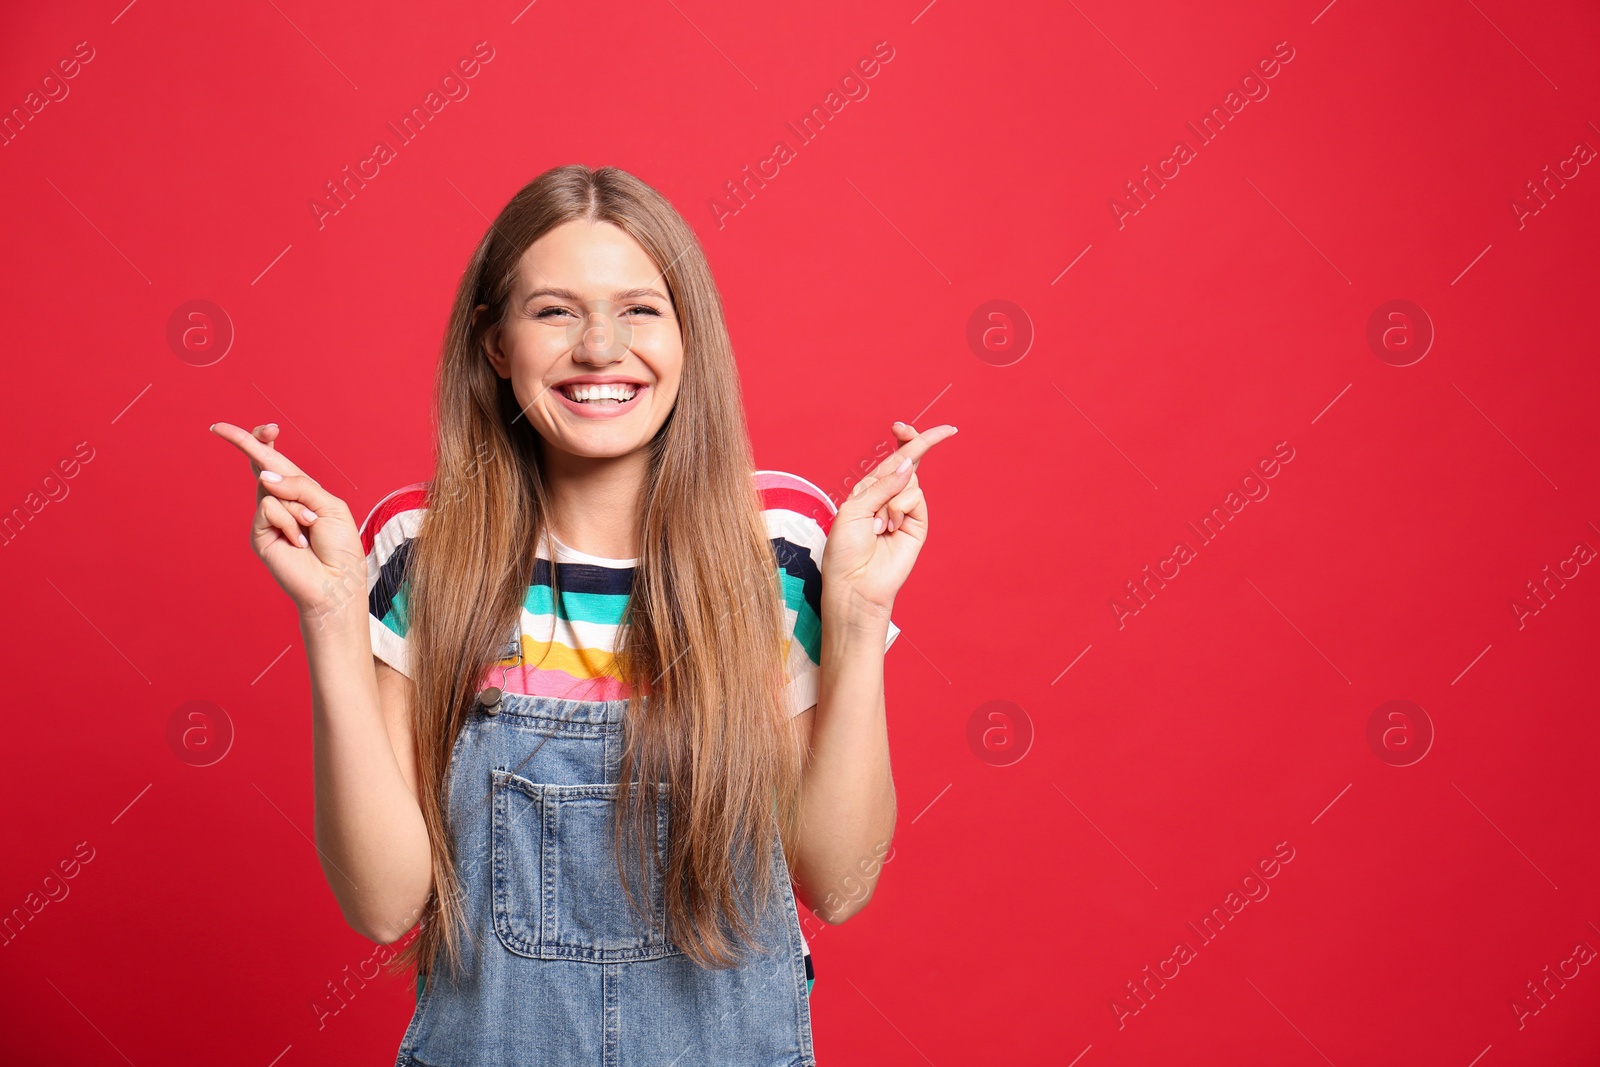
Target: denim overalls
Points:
(558, 971)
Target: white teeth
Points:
(617, 391)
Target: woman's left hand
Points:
(881, 526)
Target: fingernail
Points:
(213, 426)
(308, 515)
(271, 476)
(877, 525)
(904, 464)
(302, 540)
(272, 426)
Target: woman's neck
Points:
(596, 501)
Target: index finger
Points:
(263, 456)
(916, 448)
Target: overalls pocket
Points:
(556, 890)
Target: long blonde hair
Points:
(702, 639)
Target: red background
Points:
(1230, 314)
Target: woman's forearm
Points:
(370, 834)
(847, 798)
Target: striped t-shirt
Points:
(569, 651)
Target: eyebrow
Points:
(617, 297)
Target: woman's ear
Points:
(491, 343)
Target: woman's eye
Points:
(552, 312)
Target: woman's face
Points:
(590, 341)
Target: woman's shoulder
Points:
(394, 520)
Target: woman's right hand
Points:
(304, 534)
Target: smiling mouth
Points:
(611, 394)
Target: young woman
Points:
(587, 703)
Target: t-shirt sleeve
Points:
(386, 536)
(798, 517)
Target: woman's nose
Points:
(603, 337)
